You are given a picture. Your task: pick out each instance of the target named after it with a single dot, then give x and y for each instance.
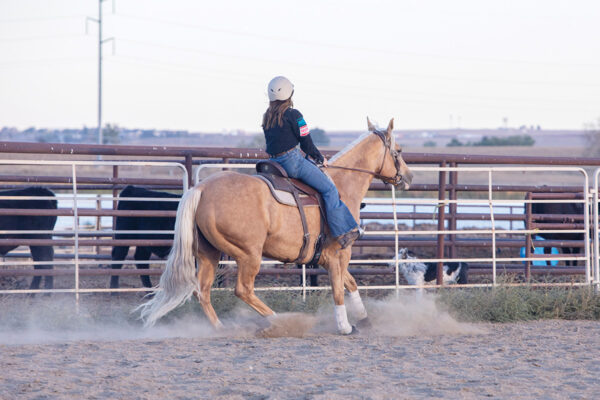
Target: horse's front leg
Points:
(354, 301)
(337, 269)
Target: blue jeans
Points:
(339, 218)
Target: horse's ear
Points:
(390, 127)
(370, 125)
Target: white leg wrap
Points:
(356, 305)
(341, 318)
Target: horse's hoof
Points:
(354, 331)
(364, 323)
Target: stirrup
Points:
(348, 238)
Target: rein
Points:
(391, 180)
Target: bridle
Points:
(396, 179)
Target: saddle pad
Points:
(284, 197)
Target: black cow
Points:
(143, 224)
(559, 208)
(30, 223)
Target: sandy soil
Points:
(412, 351)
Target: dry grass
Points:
(503, 303)
(521, 303)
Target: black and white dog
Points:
(420, 273)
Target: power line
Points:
(368, 71)
(38, 19)
(46, 37)
(380, 93)
(350, 47)
(229, 73)
(44, 61)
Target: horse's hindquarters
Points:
(238, 215)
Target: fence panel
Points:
(398, 236)
(401, 209)
(596, 253)
(79, 237)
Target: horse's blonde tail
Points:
(178, 281)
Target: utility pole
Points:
(100, 43)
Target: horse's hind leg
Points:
(354, 301)
(248, 267)
(42, 253)
(208, 259)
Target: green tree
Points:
(455, 143)
(430, 143)
(515, 140)
(592, 137)
(111, 134)
(319, 137)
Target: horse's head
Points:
(393, 168)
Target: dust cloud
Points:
(56, 318)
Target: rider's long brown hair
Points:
(274, 114)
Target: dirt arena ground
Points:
(413, 350)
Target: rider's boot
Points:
(348, 238)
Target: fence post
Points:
(441, 223)
(115, 193)
(76, 233)
(596, 248)
(188, 166)
(453, 209)
(528, 240)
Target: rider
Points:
(284, 127)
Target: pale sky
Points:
(204, 65)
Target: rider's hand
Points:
(324, 162)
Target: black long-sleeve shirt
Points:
(293, 131)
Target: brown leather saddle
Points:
(292, 192)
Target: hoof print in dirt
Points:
(274, 331)
(261, 333)
(364, 323)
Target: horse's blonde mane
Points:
(349, 147)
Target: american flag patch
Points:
(303, 127)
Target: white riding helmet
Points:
(280, 88)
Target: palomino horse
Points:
(236, 214)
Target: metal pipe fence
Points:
(447, 238)
(441, 203)
(74, 211)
